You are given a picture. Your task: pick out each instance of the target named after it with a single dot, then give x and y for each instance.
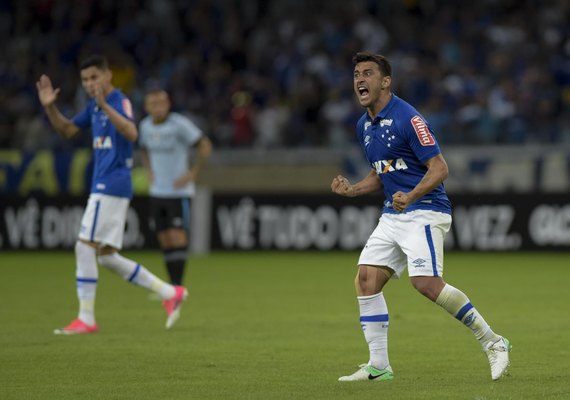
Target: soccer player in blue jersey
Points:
(407, 163)
(110, 117)
(167, 138)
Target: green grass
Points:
(273, 325)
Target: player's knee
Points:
(365, 285)
(357, 284)
(82, 247)
(106, 260)
(427, 286)
(177, 238)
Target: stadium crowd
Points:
(271, 73)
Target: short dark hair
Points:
(155, 90)
(383, 63)
(95, 60)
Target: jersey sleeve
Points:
(83, 119)
(190, 133)
(125, 108)
(421, 138)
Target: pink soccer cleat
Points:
(76, 327)
(172, 305)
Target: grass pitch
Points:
(271, 325)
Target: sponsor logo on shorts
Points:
(422, 131)
(419, 262)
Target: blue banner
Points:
(45, 172)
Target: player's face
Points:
(157, 105)
(367, 83)
(92, 77)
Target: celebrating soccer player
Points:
(407, 162)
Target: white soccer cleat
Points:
(498, 355)
(369, 373)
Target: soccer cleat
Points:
(498, 355)
(76, 327)
(369, 373)
(172, 305)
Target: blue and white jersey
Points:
(113, 153)
(397, 143)
(168, 146)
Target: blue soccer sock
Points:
(455, 302)
(374, 323)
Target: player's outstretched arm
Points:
(342, 186)
(47, 96)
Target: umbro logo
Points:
(470, 319)
(367, 124)
(419, 262)
(366, 140)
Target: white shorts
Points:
(104, 220)
(413, 240)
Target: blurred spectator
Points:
(242, 119)
(492, 72)
(270, 122)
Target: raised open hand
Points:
(100, 96)
(46, 92)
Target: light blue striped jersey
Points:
(168, 146)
